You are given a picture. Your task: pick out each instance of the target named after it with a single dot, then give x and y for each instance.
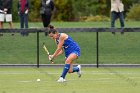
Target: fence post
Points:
(97, 49)
(37, 49)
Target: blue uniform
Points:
(70, 46)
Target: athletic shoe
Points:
(61, 80)
(79, 72)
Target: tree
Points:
(34, 11)
(14, 11)
(134, 12)
(70, 10)
(63, 10)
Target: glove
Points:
(50, 57)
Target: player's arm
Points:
(59, 50)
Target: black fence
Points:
(95, 30)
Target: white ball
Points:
(38, 80)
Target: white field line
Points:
(18, 73)
(25, 81)
(83, 72)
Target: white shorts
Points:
(7, 17)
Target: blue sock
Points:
(75, 69)
(65, 70)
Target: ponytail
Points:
(51, 29)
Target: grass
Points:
(93, 80)
(78, 24)
(112, 49)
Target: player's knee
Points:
(67, 62)
(70, 71)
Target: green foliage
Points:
(72, 10)
(96, 18)
(128, 4)
(34, 14)
(14, 11)
(85, 8)
(34, 10)
(134, 12)
(64, 10)
(93, 80)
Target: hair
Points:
(51, 29)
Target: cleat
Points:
(61, 80)
(79, 72)
(64, 80)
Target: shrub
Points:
(134, 13)
(94, 18)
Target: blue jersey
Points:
(70, 46)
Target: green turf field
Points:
(93, 80)
(118, 49)
(78, 24)
(112, 49)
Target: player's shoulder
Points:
(63, 36)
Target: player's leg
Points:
(1, 25)
(26, 20)
(65, 70)
(121, 17)
(1, 20)
(11, 24)
(9, 20)
(75, 69)
(72, 68)
(67, 67)
(113, 17)
(44, 19)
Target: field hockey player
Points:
(71, 49)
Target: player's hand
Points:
(50, 57)
(26, 12)
(18, 12)
(5, 9)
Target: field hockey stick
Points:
(45, 48)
